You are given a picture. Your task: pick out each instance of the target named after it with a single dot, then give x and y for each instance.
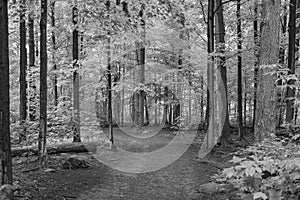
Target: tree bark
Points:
(256, 54)
(56, 149)
(31, 46)
(76, 104)
(222, 72)
(239, 65)
(291, 62)
(5, 144)
(109, 79)
(43, 84)
(23, 68)
(53, 38)
(265, 121)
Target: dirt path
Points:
(180, 180)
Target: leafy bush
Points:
(265, 171)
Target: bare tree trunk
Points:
(265, 121)
(208, 144)
(43, 84)
(55, 90)
(291, 62)
(256, 54)
(5, 143)
(23, 68)
(239, 83)
(222, 72)
(76, 94)
(109, 80)
(32, 82)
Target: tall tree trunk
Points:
(208, 143)
(76, 137)
(141, 63)
(282, 62)
(265, 121)
(5, 144)
(55, 90)
(31, 46)
(222, 72)
(239, 65)
(109, 80)
(256, 54)
(43, 84)
(291, 62)
(23, 68)
(245, 102)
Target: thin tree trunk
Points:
(239, 65)
(282, 62)
(53, 38)
(291, 62)
(31, 45)
(76, 94)
(109, 80)
(43, 84)
(5, 143)
(256, 54)
(23, 68)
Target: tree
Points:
(256, 55)
(210, 114)
(239, 83)
(222, 80)
(23, 66)
(109, 78)
(43, 84)
(31, 47)
(75, 51)
(5, 144)
(55, 90)
(291, 62)
(141, 63)
(265, 119)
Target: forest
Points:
(149, 99)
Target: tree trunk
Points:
(56, 149)
(5, 148)
(109, 80)
(208, 143)
(76, 137)
(256, 54)
(55, 90)
(265, 121)
(32, 82)
(43, 84)
(23, 68)
(239, 83)
(222, 73)
(291, 63)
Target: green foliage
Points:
(265, 171)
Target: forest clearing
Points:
(149, 99)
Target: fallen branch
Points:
(56, 149)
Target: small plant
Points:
(265, 171)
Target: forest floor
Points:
(180, 180)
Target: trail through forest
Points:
(180, 180)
